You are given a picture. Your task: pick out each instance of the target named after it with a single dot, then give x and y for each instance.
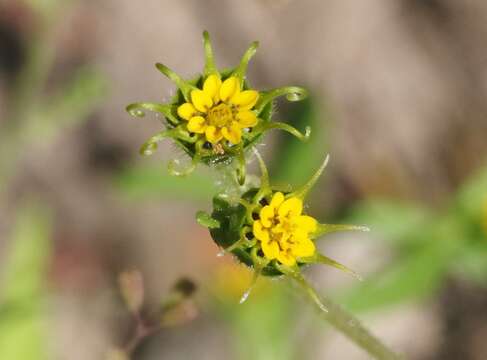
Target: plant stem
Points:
(141, 332)
(346, 323)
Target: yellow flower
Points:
(220, 110)
(283, 231)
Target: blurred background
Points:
(398, 100)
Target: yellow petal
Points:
(299, 235)
(186, 111)
(229, 88)
(259, 232)
(306, 223)
(277, 199)
(303, 248)
(245, 100)
(266, 215)
(270, 249)
(232, 133)
(246, 118)
(277, 229)
(197, 124)
(291, 207)
(201, 101)
(213, 134)
(212, 86)
(286, 258)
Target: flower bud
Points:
(132, 289)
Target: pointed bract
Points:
(303, 191)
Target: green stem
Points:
(347, 324)
(340, 319)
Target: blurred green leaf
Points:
(39, 120)
(470, 208)
(414, 275)
(70, 105)
(429, 246)
(262, 327)
(472, 263)
(472, 196)
(48, 9)
(396, 222)
(23, 328)
(296, 161)
(148, 182)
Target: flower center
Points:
(220, 115)
(281, 229)
(286, 224)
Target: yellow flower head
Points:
(268, 231)
(284, 233)
(216, 116)
(220, 110)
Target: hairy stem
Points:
(341, 320)
(349, 325)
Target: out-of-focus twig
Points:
(175, 309)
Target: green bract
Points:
(195, 144)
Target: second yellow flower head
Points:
(284, 233)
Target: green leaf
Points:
(263, 326)
(415, 275)
(230, 218)
(472, 197)
(470, 208)
(205, 219)
(46, 8)
(23, 327)
(472, 263)
(70, 105)
(296, 161)
(396, 222)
